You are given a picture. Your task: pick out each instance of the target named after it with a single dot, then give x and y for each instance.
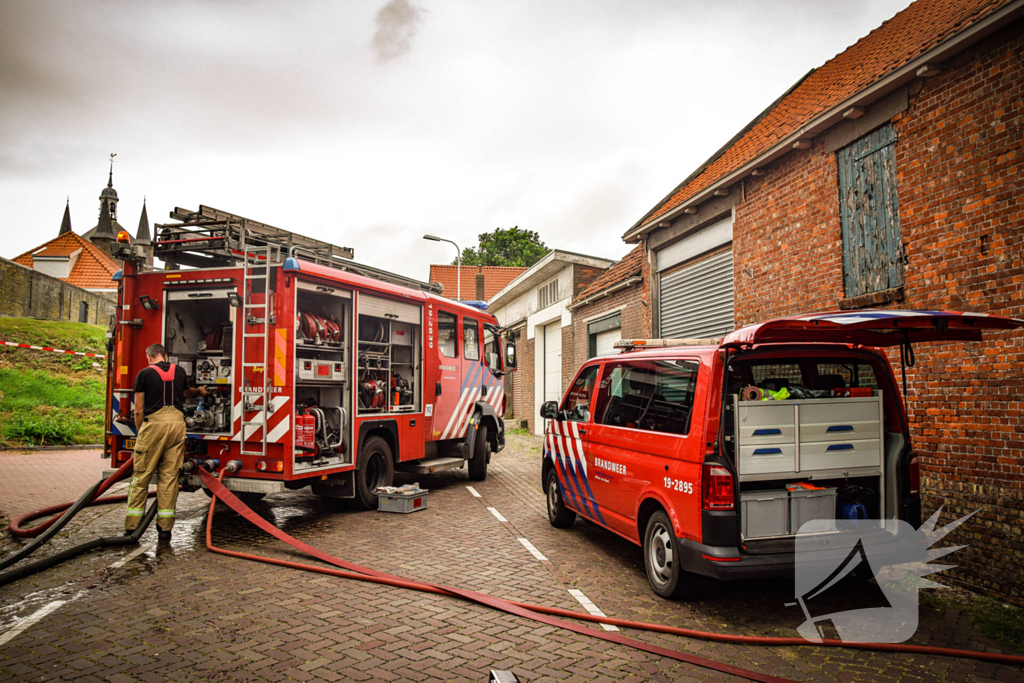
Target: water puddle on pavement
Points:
(13, 613)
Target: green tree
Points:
(505, 247)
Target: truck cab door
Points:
(451, 391)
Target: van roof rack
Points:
(633, 344)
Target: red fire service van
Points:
(711, 454)
(316, 376)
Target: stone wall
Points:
(25, 293)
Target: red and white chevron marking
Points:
(459, 421)
(47, 348)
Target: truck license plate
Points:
(129, 444)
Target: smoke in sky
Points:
(397, 23)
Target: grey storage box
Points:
(403, 503)
(806, 505)
(764, 513)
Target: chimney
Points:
(480, 284)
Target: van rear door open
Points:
(873, 328)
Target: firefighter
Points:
(160, 392)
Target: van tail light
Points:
(717, 488)
(915, 476)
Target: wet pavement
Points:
(178, 612)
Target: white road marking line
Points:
(30, 620)
(497, 514)
(533, 550)
(473, 491)
(591, 607)
(132, 555)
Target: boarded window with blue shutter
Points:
(870, 214)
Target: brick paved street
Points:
(181, 613)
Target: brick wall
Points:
(582, 276)
(960, 182)
(26, 293)
(524, 381)
(575, 340)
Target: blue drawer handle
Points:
(840, 447)
(770, 451)
(766, 432)
(840, 428)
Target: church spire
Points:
(65, 225)
(105, 229)
(142, 236)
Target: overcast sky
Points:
(371, 123)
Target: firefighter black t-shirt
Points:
(149, 383)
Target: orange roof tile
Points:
(909, 34)
(93, 268)
(495, 279)
(630, 265)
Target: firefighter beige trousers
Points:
(159, 450)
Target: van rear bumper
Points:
(731, 564)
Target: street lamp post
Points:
(458, 261)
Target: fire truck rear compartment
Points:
(323, 424)
(198, 333)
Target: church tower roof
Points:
(105, 229)
(142, 236)
(65, 224)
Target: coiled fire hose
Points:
(545, 614)
(49, 529)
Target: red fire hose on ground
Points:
(544, 614)
(538, 613)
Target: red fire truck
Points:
(316, 375)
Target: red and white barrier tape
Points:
(47, 348)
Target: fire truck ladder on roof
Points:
(258, 263)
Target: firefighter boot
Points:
(159, 450)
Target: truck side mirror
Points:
(510, 355)
(549, 410)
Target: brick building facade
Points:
(535, 307)
(947, 115)
(615, 306)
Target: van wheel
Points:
(560, 516)
(375, 468)
(481, 455)
(662, 560)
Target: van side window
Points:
(654, 396)
(471, 339)
(446, 334)
(577, 402)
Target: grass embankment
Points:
(50, 398)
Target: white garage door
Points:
(605, 341)
(553, 362)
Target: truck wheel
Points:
(481, 454)
(560, 516)
(663, 561)
(375, 468)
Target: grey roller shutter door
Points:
(697, 300)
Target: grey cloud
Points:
(397, 23)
